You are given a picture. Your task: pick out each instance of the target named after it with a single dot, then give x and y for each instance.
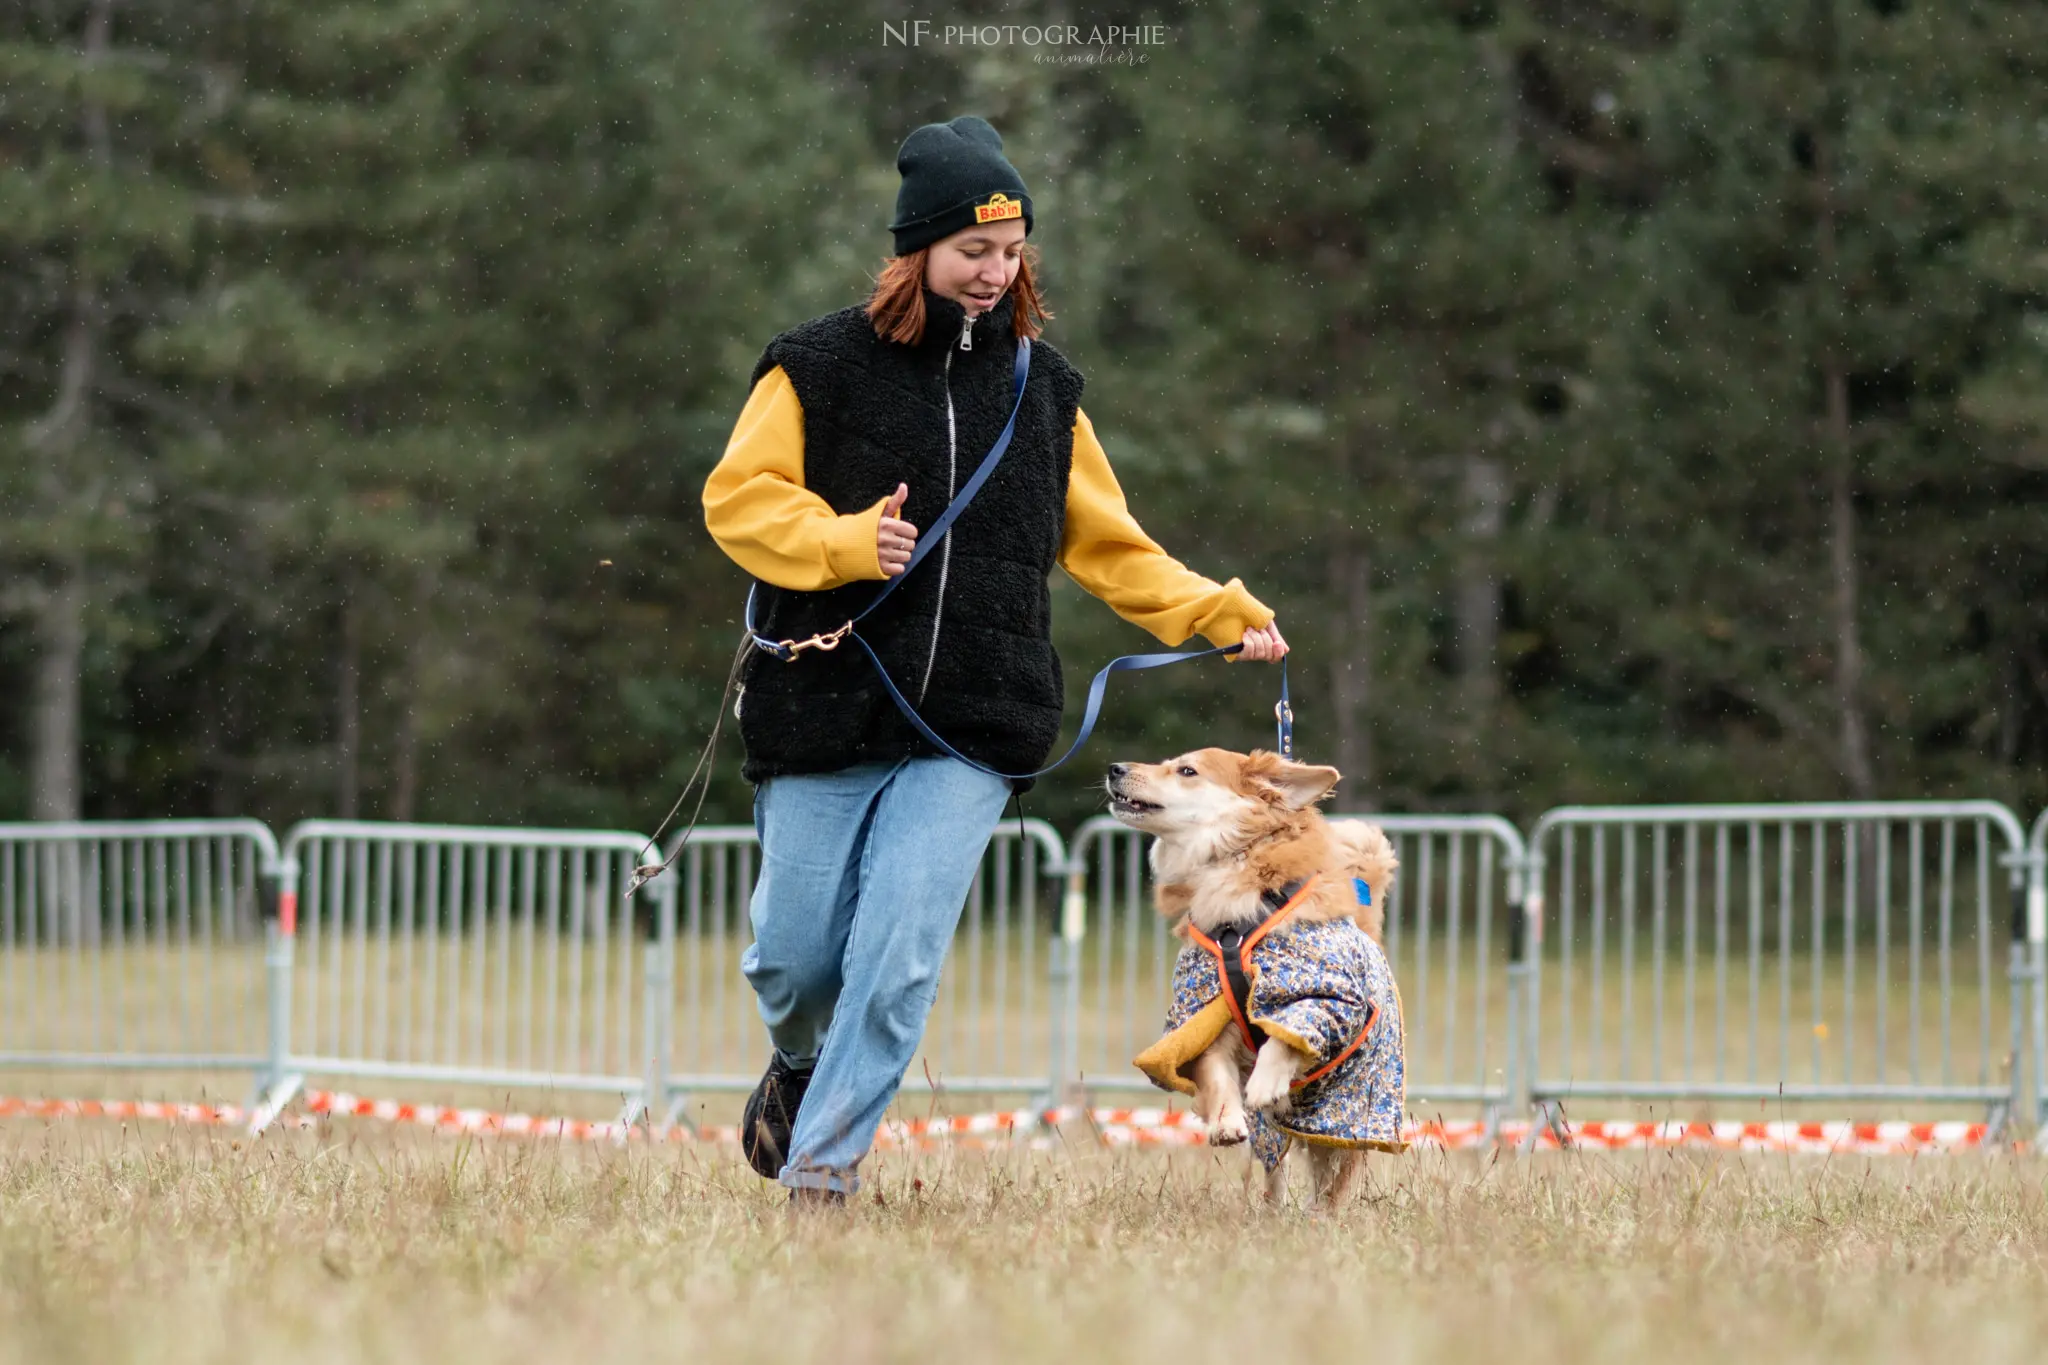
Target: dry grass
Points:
(368, 1245)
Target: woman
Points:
(860, 427)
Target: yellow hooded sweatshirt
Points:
(758, 510)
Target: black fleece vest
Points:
(968, 637)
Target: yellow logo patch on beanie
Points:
(998, 207)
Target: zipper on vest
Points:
(946, 545)
(966, 335)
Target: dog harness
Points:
(1324, 988)
(1232, 950)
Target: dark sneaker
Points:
(805, 1200)
(770, 1114)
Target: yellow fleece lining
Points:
(1350, 1144)
(1289, 1037)
(1165, 1063)
(1167, 1060)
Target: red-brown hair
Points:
(896, 308)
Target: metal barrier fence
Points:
(1860, 952)
(1837, 952)
(501, 957)
(1449, 933)
(139, 946)
(997, 1026)
(2037, 942)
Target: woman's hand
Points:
(1265, 645)
(895, 540)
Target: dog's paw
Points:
(1228, 1131)
(1268, 1091)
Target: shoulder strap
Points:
(1277, 897)
(1232, 982)
(1239, 985)
(1232, 950)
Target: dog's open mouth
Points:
(1130, 805)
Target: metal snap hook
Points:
(826, 641)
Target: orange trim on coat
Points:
(1327, 1067)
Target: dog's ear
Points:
(1298, 785)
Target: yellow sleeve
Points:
(758, 510)
(1108, 553)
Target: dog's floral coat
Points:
(1313, 986)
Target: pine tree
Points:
(1775, 432)
(1340, 284)
(490, 351)
(1960, 519)
(102, 201)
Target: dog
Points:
(1240, 849)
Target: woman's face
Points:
(975, 265)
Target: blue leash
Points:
(1128, 663)
(788, 650)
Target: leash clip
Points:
(789, 649)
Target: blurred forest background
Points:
(1632, 400)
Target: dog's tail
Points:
(1367, 854)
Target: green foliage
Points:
(1514, 352)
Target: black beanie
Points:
(954, 176)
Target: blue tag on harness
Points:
(1363, 891)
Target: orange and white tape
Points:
(228, 1114)
(1137, 1128)
(1838, 1137)
(447, 1119)
(1049, 1129)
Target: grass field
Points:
(178, 1245)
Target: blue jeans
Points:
(863, 876)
